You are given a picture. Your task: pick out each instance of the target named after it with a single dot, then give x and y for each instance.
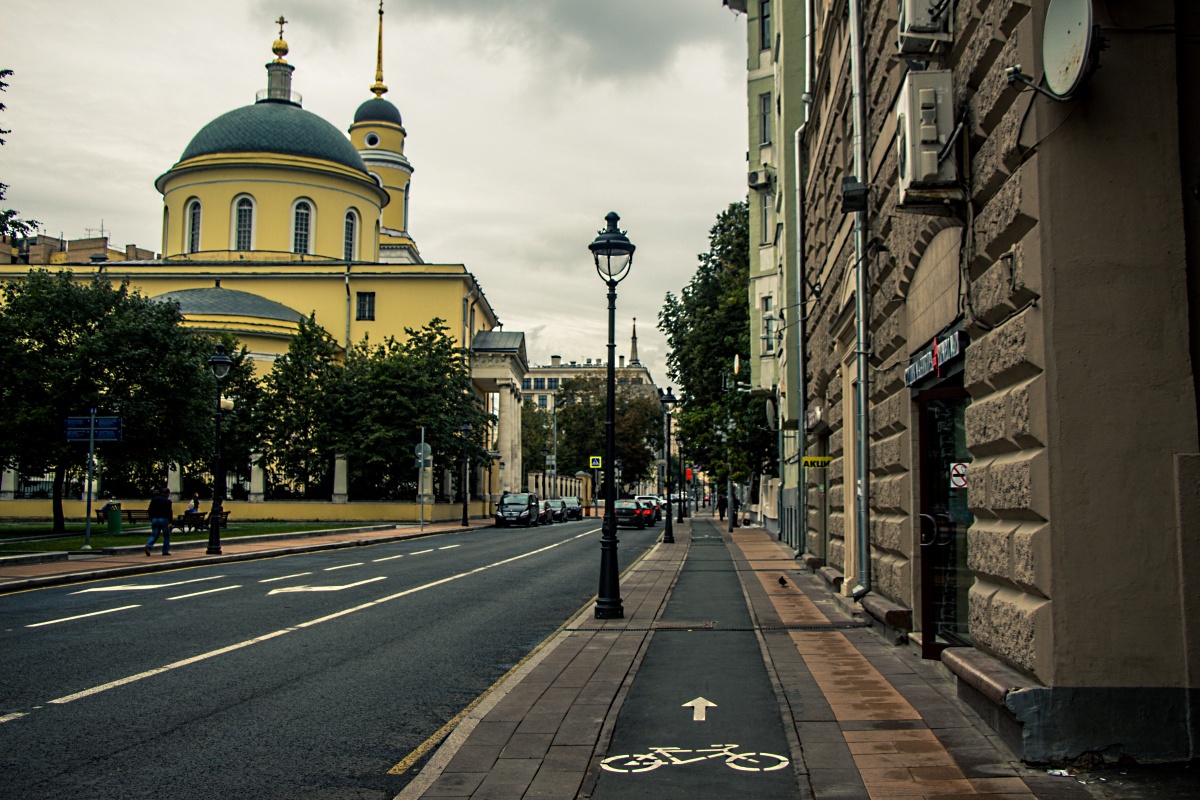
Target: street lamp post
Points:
(668, 402)
(545, 472)
(219, 363)
(613, 254)
(465, 430)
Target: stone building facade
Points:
(1034, 460)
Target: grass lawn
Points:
(139, 534)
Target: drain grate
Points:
(711, 626)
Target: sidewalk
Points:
(864, 719)
(16, 576)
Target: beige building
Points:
(541, 382)
(1032, 468)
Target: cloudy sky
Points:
(527, 120)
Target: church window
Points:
(193, 227)
(350, 237)
(372, 140)
(366, 305)
(244, 224)
(302, 227)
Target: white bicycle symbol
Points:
(670, 756)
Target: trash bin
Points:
(114, 518)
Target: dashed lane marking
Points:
(343, 566)
(285, 577)
(81, 616)
(206, 591)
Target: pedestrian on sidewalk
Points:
(161, 515)
(722, 505)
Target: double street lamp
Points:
(219, 363)
(613, 254)
(668, 402)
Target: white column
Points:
(174, 482)
(341, 479)
(8, 485)
(258, 479)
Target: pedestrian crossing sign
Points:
(596, 462)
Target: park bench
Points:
(198, 521)
(130, 515)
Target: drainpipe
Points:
(860, 302)
(347, 276)
(799, 266)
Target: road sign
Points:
(958, 475)
(596, 462)
(101, 436)
(102, 423)
(422, 450)
(817, 462)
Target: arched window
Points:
(243, 224)
(350, 236)
(302, 227)
(193, 226)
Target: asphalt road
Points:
(301, 677)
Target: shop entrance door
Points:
(944, 520)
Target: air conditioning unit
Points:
(759, 179)
(924, 125)
(923, 25)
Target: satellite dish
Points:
(1068, 45)
(771, 421)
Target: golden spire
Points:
(280, 48)
(378, 87)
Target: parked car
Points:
(574, 507)
(558, 511)
(650, 512)
(518, 508)
(630, 513)
(545, 516)
(654, 502)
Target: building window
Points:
(243, 234)
(526, 384)
(764, 118)
(542, 402)
(765, 213)
(764, 25)
(350, 236)
(301, 227)
(552, 384)
(366, 305)
(193, 227)
(539, 384)
(768, 326)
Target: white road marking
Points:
(450, 547)
(206, 591)
(323, 588)
(285, 577)
(135, 587)
(700, 708)
(343, 566)
(388, 558)
(11, 717)
(80, 616)
(419, 552)
(274, 634)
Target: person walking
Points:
(722, 505)
(161, 515)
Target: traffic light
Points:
(689, 473)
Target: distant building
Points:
(541, 382)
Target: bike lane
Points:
(701, 718)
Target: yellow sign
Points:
(818, 462)
(596, 462)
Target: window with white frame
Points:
(193, 226)
(366, 306)
(350, 236)
(243, 224)
(766, 206)
(764, 118)
(302, 227)
(769, 325)
(764, 25)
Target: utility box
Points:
(924, 124)
(923, 26)
(113, 512)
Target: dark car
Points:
(654, 504)
(518, 508)
(574, 507)
(630, 513)
(545, 515)
(558, 511)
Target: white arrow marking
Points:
(323, 588)
(134, 587)
(700, 708)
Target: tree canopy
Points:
(10, 223)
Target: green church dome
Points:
(377, 110)
(275, 127)
(228, 302)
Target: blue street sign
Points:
(102, 423)
(75, 435)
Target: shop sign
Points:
(817, 462)
(932, 359)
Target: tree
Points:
(68, 346)
(637, 427)
(300, 395)
(10, 225)
(393, 389)
(706, 326)
(536, 433)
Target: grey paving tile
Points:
(541, 722)
(837, 784)
(567, 758)
(455, 784)
(527, 745)
(490, 731)
(474, 758)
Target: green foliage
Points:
(67, 346)
(10, 225)
(706, 326)
(637, 428)
(536, 432)
(392, 389)
(300, 396)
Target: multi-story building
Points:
(998, 246)
(541, 382)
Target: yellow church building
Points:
(272, 213)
